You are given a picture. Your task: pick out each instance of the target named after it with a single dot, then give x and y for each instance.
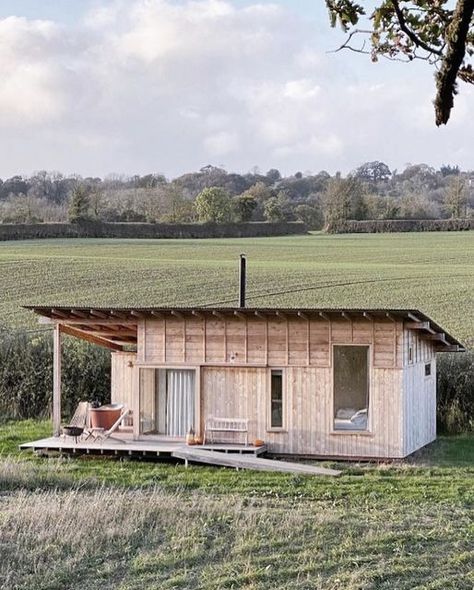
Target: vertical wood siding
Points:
(243, 392)
(419, 393)
(236, 355)
(122, 378)
(275, 341)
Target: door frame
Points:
(136, 400)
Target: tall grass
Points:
(110, 538)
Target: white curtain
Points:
(179, 402)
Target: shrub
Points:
(99, 229)
(398, 225)
(26, 374)
(455, 373)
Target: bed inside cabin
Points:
(351, 387)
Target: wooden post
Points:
(57, 380)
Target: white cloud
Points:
(221, 143)
(160, 85)
(32, 89)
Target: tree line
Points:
(372, 191)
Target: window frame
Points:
(368, 431)
(411, 356)
(283, 427)
(429, 367)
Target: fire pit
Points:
(74, 431)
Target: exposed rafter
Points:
(90, 338)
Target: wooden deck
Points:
(124, 445)
(230, 455)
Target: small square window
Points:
(410, 354)
(427, 369)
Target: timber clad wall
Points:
(235, 355)
(122, 377)
(243, 392)
(419, 393)
(265, 342)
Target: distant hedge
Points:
(148, 230)
(399, 225)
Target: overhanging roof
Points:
(116, 327)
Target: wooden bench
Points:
(226, 425)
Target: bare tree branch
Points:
(410, 34)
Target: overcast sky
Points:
(137, 86)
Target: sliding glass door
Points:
(167, 401)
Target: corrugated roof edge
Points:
(251, 310)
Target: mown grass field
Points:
(105, 524)
(430, 271)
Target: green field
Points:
(105, 524)
(123, 525)
(430, 271)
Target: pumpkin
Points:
(198, 440)
(258, 442)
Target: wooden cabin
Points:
(343, 383)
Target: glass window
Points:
(427, 369)
(351, 387)
(276, 400)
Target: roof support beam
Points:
(239, 315)
(177, 314)
(413, 317)
(57, 358)
(117, 314)
(80, 314)
(110, 333)
(90, 338)
(440, 337)
(324, 316)
(303, 316)
(452, 348)
(95, 321)
(59, 313)
(418, 326)
(99, 314)
(137, 314)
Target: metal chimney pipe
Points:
(242, 279)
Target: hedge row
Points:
(148, 230)
(399, 225)
(26, 375)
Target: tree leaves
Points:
(431, 30)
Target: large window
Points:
(276, 399)
(351, 387)
(167, 401)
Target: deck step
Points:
(248, 462)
